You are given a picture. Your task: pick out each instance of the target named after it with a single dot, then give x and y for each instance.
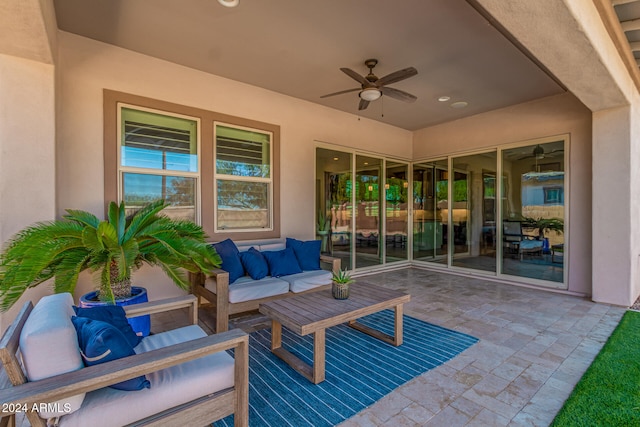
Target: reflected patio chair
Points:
(518, 244)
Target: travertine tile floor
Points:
(534, 347)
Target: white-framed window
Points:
(243, 179)
(220, 171)
(158, 158)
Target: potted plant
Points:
(340, 283)
(323, 227)
(111, 248)
(543, 225)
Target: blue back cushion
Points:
(254, 263)
(115, 316)
(282, 263)
(101, 342)
(307, 253)
(230, 256)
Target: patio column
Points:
(616, 192)
(27, 122)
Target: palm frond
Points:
(176, 275)
(117, 219)
(144, 216)
(82, 217)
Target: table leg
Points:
(319, 341)
(276, 335)
(315, 373)
(397, 339)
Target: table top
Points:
(309, 312)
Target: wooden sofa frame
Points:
(202, 411)
(220, 299)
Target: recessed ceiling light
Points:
(336, 158)
(459, 104)
(229, 3)
(444, 98)
(366, 163)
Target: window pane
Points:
(533, 209)
(140, 189)
(242, 152)
(157, 141)
(242, 205)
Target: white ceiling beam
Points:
(635, 46)
(631, 25)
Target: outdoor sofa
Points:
(260, 271)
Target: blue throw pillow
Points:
(282, 263)
(101, 342)
(114, 315)
(255, 263)
(230, 256)
(307, 253)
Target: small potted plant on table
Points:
(340, 283)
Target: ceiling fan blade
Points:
(355, 76)
(398, 94)
(363, 105)
(340, 93)
(397, 76)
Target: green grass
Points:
(609, 392)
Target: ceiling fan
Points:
(373, 87)
(538, 153)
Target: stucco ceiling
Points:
(297, 48)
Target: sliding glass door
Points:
(334, 203)
(430, 210)
(367, 212)
(499, 212)
(472, 214)
(533, 211)
(396, 189)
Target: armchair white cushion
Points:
(49, 346)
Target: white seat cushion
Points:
(49, 346)
(307, 280)
(169, 387)
(247, 289)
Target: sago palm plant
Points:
(112, 248)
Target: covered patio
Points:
(472, 147)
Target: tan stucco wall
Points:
(562, 114)
(87, 67)
(27, 152)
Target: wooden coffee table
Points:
(313, 313)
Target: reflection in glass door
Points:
(472, 214)
(430, 206)
(367, 212)
(533, 211)
(396, 189)
(333, 203)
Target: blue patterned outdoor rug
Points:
(359, 371)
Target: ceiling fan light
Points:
(229, 3)
(538, 152)
(370, 94)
